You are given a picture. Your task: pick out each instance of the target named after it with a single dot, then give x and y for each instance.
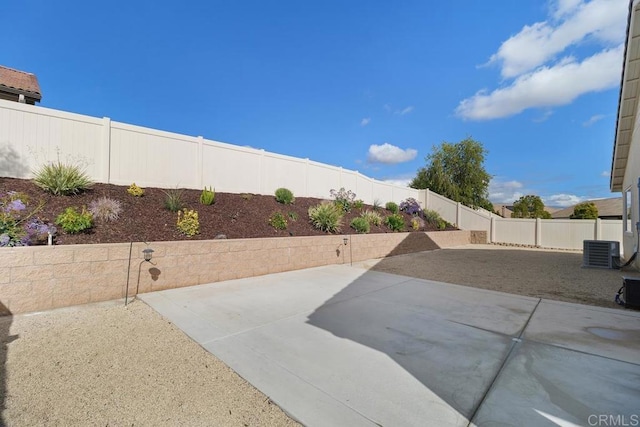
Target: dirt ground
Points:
(110, 365)
(107, 365)
(556, 275)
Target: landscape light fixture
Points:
(148, 253)
(345, 240)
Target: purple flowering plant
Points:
(18, 226)
(411, 206)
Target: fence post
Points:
(199, 161)
(598, 229)
(538, 232)
(306, 177)
(427, 202)
(106, 150)
(458, 214)
(260, 172)
(492, 231)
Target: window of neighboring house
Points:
(626, 210)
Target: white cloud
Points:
(562, 200)
(564, 7)
(540, 65)
(365, 121)
(390, 154)
(606, 174)
(545, 116)
(593, 119)
(571, 22)
(406, 110)
(547, 87)
(387, 107)
(505, 191)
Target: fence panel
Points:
(364, 188)
(473, 220)
(611, 229)
(515, 231)
(153, 158)
(31, 136)
(283, 171)
(445, 207)
(230, 168)
(566, 233)
(321, 179)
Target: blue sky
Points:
(366, 85)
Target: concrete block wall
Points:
(45, 277)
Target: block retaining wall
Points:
(45, 277)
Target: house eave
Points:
(33, 95)
(628, 99)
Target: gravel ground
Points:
(108, 365)
(541, 273)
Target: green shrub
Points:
(343, 198)
(208, 197)
(395, 222)
(326, 217)
(377, 205)
(105, 209)
(293, 216)
(361, 225)
(432, 217)
(358, 204)
(392, 207)
(173, 199)
(188, 223)
(415, 223)
(284, 196)
(247, 196)
(442, 224)
(73, 221)
(62, 179)
(372, 217)
(278, 221)
(135, 191)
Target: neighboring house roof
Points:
(503, 210)
(507, 210)
(19, 83)
(628, 99)
(607, 208)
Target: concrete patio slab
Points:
(340, 345)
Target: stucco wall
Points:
(46, 277)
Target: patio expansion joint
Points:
(512, 347)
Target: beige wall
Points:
(44, 277)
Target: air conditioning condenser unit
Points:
(601, 254)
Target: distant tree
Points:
(529, 206)
(585, 210)
(457, 171)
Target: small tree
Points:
(457, 171)
(529, 206)
(585, 210)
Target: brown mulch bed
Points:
(145, 219)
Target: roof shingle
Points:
(26, 83)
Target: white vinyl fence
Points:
(121, 154)
(546, 233)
